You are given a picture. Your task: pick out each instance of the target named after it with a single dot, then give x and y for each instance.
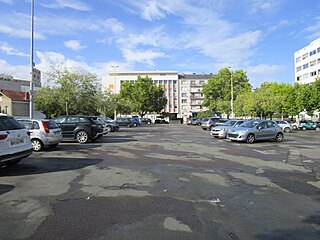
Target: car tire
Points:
(135, 125)
(129, 125)
(294, 127)
(82, 137)
(287, 130)
(149, 123)
(37, 145)
(304, 128)
(109, 129)
(251, 138)
(279, 137)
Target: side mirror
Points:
(259, 128)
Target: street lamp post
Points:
(114, 88)
(31, 100)
(231, 101)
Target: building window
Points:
(298, 68)
(183, 82)
(313, 73)
(313, 52)
(184, 107)
(184, 101)
(305, 66)
(298, 59)
(305, 76)
(299, 78)
(318, 62)
(6, 110)
(313, 63)
(304, 56)
(184, 89)
(160, 81)
(165, 82)
(170, 81)
(174, 81)
(183, 95)
(156, 82)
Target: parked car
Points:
(43, 132)
(221, 122)
(317, 126)
(124, 122)
(112, 126)
(195, 121)
(210, 123)
(221, 131)
(81, 128)
(307, 126)
(294, 125)
(146, 121)
(254, 130)
(135, 122)
(15, 141)
(160, 121)
(286, 127)
(104, 124)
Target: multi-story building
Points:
(168, 80)
(191, 94)
(183, 91)
(9, 83)
(307, 63)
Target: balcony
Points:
(196, 103)
(195, 90)
(196, 96)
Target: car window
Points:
(51, 124)
(36, 125)
(60, 120)
(72, 119)
(9, 124)
(83, 119)
(271, 124)
(25, 123)
(262, 125)
(249, 124)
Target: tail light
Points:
(45, 126)
(3, 136)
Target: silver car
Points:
(43, 132)
(253, 130)
(221, 131)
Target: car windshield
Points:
(249, 124)
(229, 123)
(205, 119)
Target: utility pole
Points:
(114, 87)
(31, 99)
(231, 101)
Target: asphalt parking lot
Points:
(165, 182)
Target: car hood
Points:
(222, 127)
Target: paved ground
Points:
(165, 182)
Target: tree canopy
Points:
(144, 96)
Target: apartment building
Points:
(307, 63)
(168, 80)
(191, 94)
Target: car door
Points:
(272, 129)
(261, 131)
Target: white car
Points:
(286, 127)
(15, 141)
(221, 131)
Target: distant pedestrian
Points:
(181, 120)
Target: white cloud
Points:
(11, 51)
(264, 73)
(17, 71)
(314, 30)
(74, 45)
(7, 1)
(72, 4)
(114, 25)
(263, 6)
(19, 32)
(144, 56)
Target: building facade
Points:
(307, 63)
(183, 91)
(191, 95)
(14, 103)
(168, 80)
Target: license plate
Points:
(16, 141)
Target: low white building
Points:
(307, 63)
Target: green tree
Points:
(144, 96)
(70, 93)
(217, 91)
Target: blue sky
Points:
(201, 36)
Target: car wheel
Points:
(279, 137)
(304, 128)
(135, 125)
(109, 129)
(129, 125)
(294, 127)
(82, 137)
(287, 130)
(37, 145)
(250, 138)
